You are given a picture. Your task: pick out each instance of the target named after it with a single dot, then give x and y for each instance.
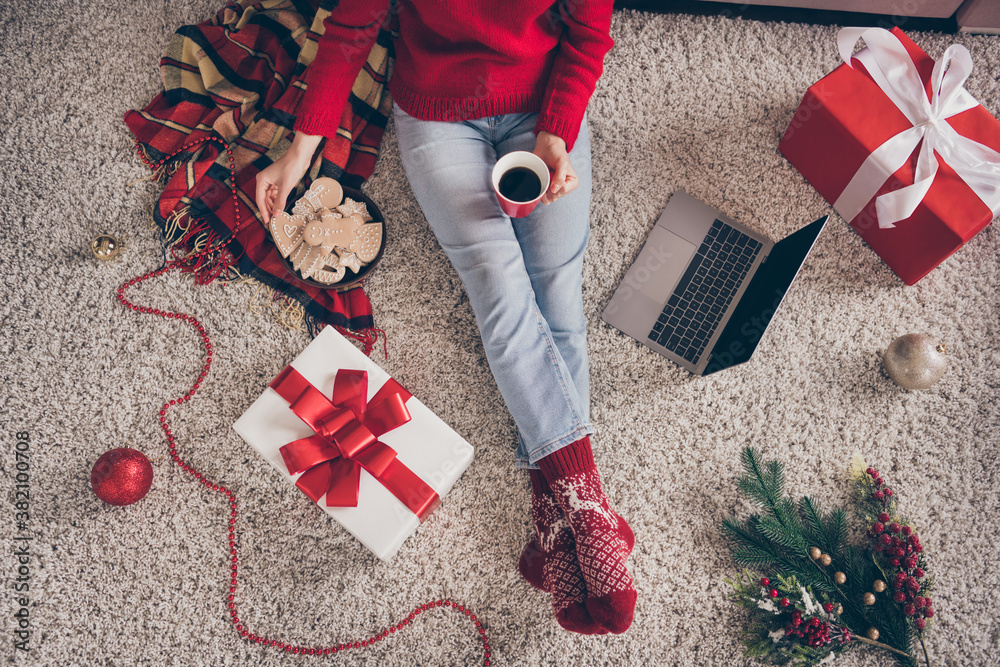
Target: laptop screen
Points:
(762, 297)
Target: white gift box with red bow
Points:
(423, 447)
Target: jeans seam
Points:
(553, 445)
(552, 352)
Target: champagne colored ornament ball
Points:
(868, 599)
(121, 476)
(825, 559)
(840, 609)
(839, 577)
(915, 361)
(106, 247)
(878, 586)
(872, 634)
(815, 553)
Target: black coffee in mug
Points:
(520, 184)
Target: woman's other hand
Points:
(552, 150)
(276, 181)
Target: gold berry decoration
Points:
(825, 559)
(868, 599)
(873, 634)
(839, 577)
(878, 586)
(840, 609)
(814, 553)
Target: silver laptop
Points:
(704, 288)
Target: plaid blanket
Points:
(240, 76)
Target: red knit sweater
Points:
(465, 59)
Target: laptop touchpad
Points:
(660, 264)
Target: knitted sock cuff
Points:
(573, 458)
(538, 484)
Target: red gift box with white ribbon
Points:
(903, 152)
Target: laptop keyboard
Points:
(705, 291)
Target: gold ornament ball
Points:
(840, 609)
(873, 634)
(814, 553)
(878, 586)
(868, 599)
(915, 361)
(839, 577)
(825, 559)
(106, 247)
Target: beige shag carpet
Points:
(692, 103)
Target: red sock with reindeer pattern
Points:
(549, 561)
(603, 539)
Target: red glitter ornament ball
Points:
(121, 476)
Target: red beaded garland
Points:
(240, 626)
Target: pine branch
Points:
(784, 512)
(754, 557)
(752, 482)
(765, 484)
(776, 531)
(775, 479)
(836, 532)
(812, 522)
(751, 549)
(754, 490)
(743, 531)
(750, 459)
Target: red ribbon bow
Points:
(346, 440)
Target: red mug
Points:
(526, 160)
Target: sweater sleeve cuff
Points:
(314, 123)
(565, 128)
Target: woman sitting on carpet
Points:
(472, 82)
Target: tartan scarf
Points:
(240, 76)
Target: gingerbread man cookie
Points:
(330, 231)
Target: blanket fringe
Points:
(367, 337)
(186, 250)
(288, 312)
(177, 224)
(159, 174)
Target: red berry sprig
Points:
(899, 547)
(815, 632)
(240, 624)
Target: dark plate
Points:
(352, 279)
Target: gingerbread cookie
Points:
(314, 261)
(358, 208)
(367, 241)
(330, 232)
(329, 276)
(305, 256)
(302, 207)
(350, 261)
(286, 230)
(323, 193)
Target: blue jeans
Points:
(523, 275)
